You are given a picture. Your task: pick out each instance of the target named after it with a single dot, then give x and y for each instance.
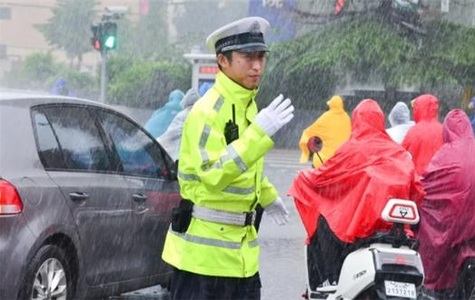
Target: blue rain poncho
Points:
(162, 117)
(171, 139)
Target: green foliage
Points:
(115, 65)
(33, 72)
(193, 24)
(146, 84)
(69, 27)
(147, 38)
(79, 83)
(449, 54)
(368, 49)
(295, 75)
(40, 71)
(310, 67)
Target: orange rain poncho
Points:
(333, 127)
(351, 189)
(424, 138)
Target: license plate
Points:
(400, 289)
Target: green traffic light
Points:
(110, 42)
(109, 35)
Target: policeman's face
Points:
(244, 68)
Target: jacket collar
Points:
(233, 92)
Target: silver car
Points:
(85, 200)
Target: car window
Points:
(139, 154)
(48, 147)
(80, 143)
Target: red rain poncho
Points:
(447, 228)
(424, 138)
(351, 189)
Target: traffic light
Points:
(109, 35)
(104, 36)
(96, 39)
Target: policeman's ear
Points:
(224, 59)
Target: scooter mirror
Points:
(315, 144)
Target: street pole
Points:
(103, 75)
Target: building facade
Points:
(19, 36)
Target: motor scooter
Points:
(385, 265)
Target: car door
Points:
(78, 160)
(152, 190)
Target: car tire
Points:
(48, 276)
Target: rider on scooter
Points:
(344, 198)
(447, 227)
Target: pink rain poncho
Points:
(447, 228)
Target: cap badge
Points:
(255, 28)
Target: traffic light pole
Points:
(103, 75)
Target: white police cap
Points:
(244, 35)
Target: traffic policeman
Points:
(212, 243)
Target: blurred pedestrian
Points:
(447, 224)
(425, 137)
(171, 138)
(162, 117)
(400, 121)
(204, 87)
(212, 242)
(333, 127)
(60, 87)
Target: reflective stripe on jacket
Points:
(224, 177)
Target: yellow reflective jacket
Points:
(225, 177)
(333, 127)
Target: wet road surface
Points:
(282, 258)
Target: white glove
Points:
(278, 212)
(276, 115)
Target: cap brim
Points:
(257, 48)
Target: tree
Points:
(449, 53)
(192, 24)
(370, 45)
(69, 28)
(310, 67)
(33, 72)
(147, 38)
(145, 83)
(39, 71)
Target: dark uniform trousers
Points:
(190, 286)
(325, 255)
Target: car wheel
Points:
(48, 276)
